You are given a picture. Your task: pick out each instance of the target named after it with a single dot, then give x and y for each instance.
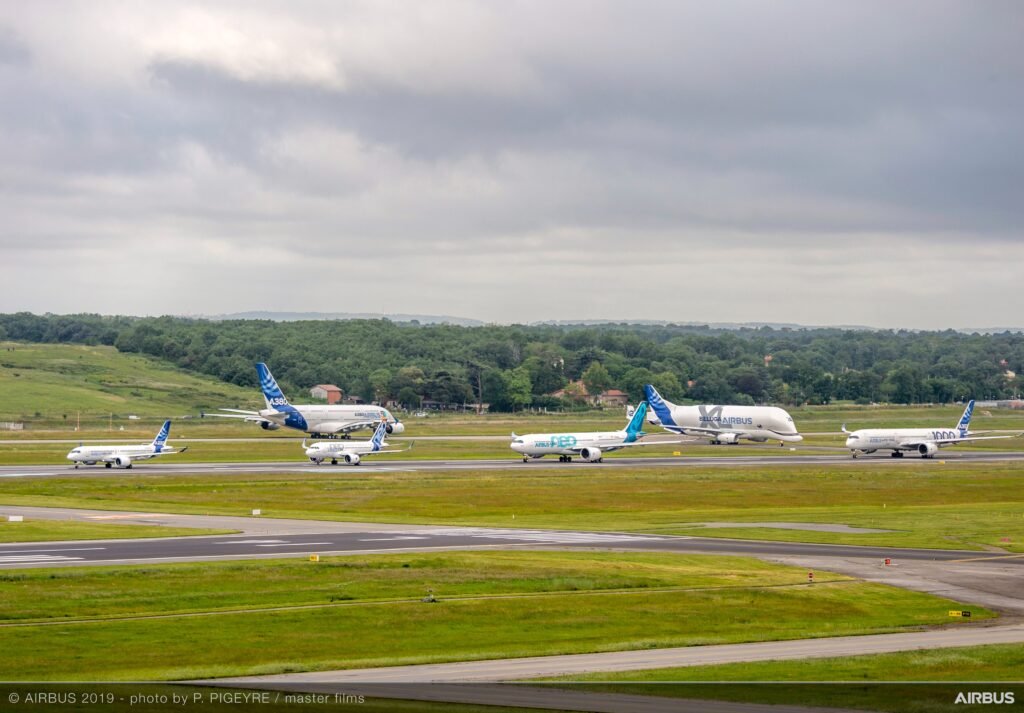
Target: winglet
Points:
(843, 428)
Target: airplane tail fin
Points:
(965, 421)
(661, 407)
(636, 422)
(378, 435)
(161, 436)
(272, 393)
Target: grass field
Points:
(58, 380)
(50, 530)
(512, 604)
(923, 504)
(105, 592)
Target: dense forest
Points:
(513, 367)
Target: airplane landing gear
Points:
(334, 461)
(897, 454)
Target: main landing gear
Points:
(565, 459)
(897, 454)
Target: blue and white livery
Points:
(591, 447)
(123, 456)
(926, 441)
(320, 421)
(723, 424)
(349, 452)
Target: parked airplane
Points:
(591, 447)
(350, 452)
(122, 456)
(926, 441)
(723, 424)
(317, 420)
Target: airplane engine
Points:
(123, 462)
(269, 426)
(591, 455)
(727, 438)
(395, 428)
(352, 459)
(927, 450)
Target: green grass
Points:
(51, 530)
(925, 504)
(99, 592)
(58, 380)
(506, 617)
(1001, 662)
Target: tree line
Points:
(515, 367)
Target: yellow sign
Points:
(677, 453)
(316, 558)
(954, 612)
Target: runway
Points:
(329, 538)
(384, 464)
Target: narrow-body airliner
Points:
(349, 452)
(124, 456)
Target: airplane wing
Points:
(247, 416)
(948, 441)
(648, 443)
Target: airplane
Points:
(926, 441)
(319, 421)
(723, 424)
(591, 447)
(122, 456)
(351, 452)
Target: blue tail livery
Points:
(161, 436)
(662, 409)
(965, 420)
(636, 423)
(378, 436)
(272, 393)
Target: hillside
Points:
(47, 381)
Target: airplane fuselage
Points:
(90, 455)
(923, 440)
(538, 445)
(755, 423)
(313, 418)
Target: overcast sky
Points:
(812, 162)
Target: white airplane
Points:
(926, 441)
(317, 420)
(591, 447)
(351, 452)
(122, 456)
(723, 424)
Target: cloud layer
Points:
(800, 162)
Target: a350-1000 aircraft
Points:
(317, 420)
(926, 441)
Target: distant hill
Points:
(306, 316)
(58, 379)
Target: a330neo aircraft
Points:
(349, 452)
(723, 424)
(123, 456)
(320, 421)
(926, 441)
(591, 446)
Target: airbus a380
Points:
(723, 424)
(926, 441)
(123, 456)
(349, 452)
(591, 446)
(317, 420)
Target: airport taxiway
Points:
(384, 464)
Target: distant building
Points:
(327, 392)
(611, 397)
